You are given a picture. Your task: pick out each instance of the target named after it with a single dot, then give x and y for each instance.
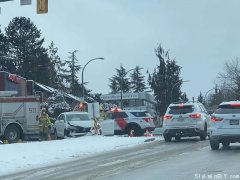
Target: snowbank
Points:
(24, 156)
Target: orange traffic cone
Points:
(147, 133)
(131, 133)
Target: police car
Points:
(131, 121)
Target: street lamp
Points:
(180, 81)
(83, 71)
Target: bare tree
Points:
(230, 78)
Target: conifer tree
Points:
(72, 74)
(184, 97)
(6, 63)
(113, 85)
(137, 80)
(120, 81)
(57, 68)
(165, 80)
(200, 98)
(26, 50)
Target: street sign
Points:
(42, 6)
(25, 2)
(93, 110)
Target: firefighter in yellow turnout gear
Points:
(44, 126)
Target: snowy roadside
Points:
(24, 156)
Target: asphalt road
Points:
(187, 159)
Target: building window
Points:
(139, 102)
(132, 102)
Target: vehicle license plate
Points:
(234, 122)
(180, 119)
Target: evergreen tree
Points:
(184, 97)
(6, 63)
(165, 80)
(113, 85)
(41, 71)
(25, 48)
(200, 98)
(57, 68)
(120, 81)
(174, 81)
(137, 80)
(72, 78)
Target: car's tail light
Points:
(195, 116)
(216, 119)
(148, 119)
(167, 117)
(236, 105)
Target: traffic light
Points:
(42, 6)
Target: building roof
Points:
(52, 90)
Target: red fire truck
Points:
(18, 111)
(19, 117)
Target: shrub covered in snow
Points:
(56, 104)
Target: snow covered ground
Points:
(23, 156)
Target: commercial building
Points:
(139, 101)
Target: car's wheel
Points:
(214, 144)
(66, 133)
(57, 135)
(226, 143)
(167, 138)
(137, 131)
(12, 134)
(177, 138)
(203, 135)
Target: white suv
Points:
(185, 120)
(126, 120)
(224, 126)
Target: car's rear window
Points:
(181, 109)
(141, 114)
(228, 109)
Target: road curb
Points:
(150, 139)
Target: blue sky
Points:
(200, 34)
